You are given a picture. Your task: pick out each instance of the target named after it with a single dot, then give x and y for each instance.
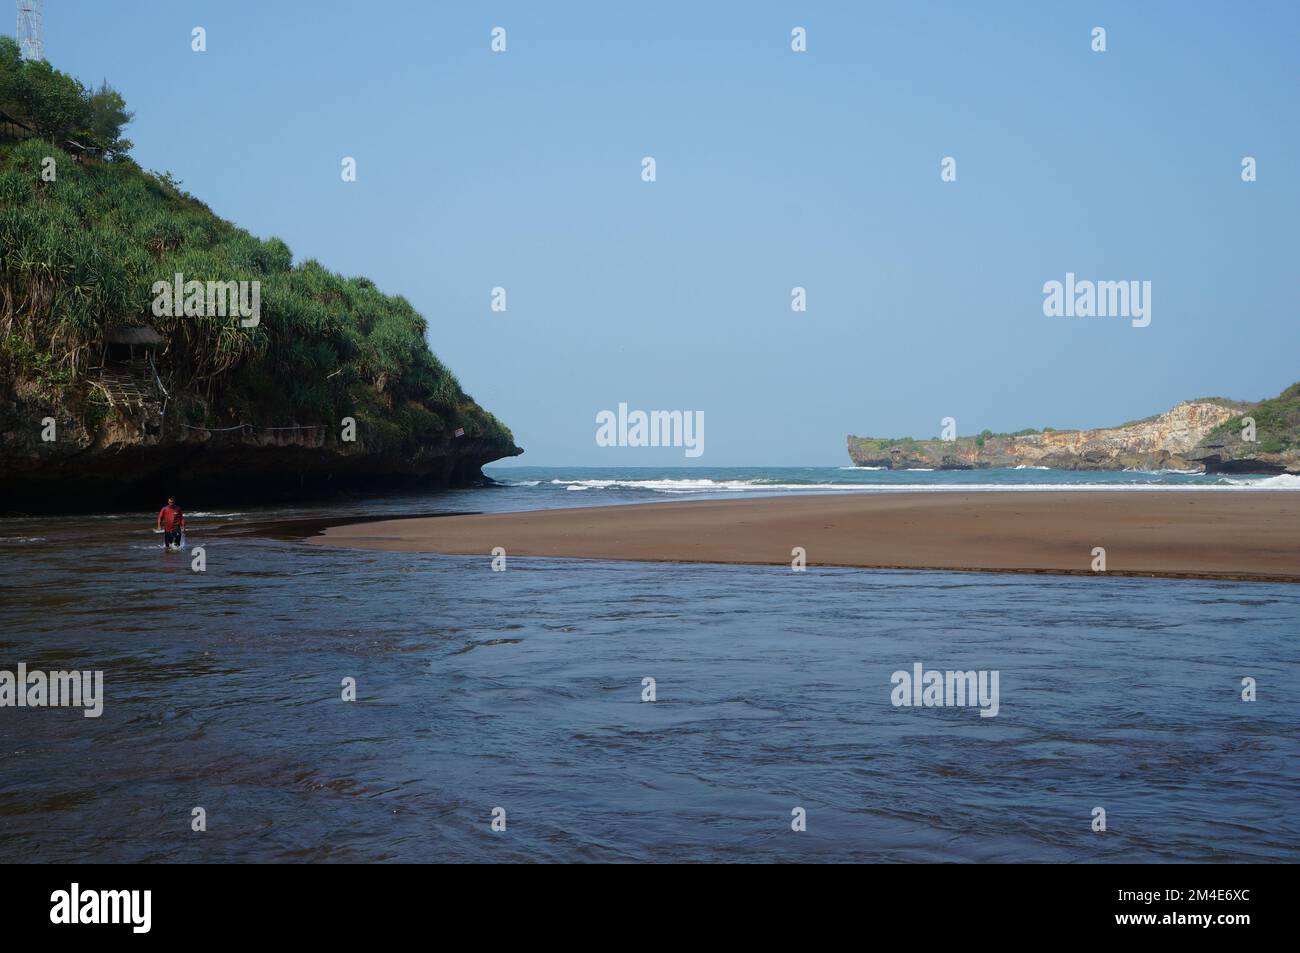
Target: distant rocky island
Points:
(149, 347)
(1210, 434)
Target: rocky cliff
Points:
(134, 460)
(1196, 435)
(1265, 438)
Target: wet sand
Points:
(1207, 534)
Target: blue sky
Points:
(775, 169)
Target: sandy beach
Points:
(1250, 535)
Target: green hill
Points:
(85, 234)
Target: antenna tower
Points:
(29, 29)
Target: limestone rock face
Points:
(1163, 442)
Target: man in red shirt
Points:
(172, 522)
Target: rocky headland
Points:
(1211, 434)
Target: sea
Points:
(586, 711)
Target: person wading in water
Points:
(171, 522)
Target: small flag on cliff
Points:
(460, 432)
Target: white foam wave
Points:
(697, 486)
(1283, 481)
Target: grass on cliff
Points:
(1277, 426)
(79, 256)
(911, 443)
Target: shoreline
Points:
(1180, 534)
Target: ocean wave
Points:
(1283, 481)
(707, 485)
(682, 486)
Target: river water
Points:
(522, 690)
